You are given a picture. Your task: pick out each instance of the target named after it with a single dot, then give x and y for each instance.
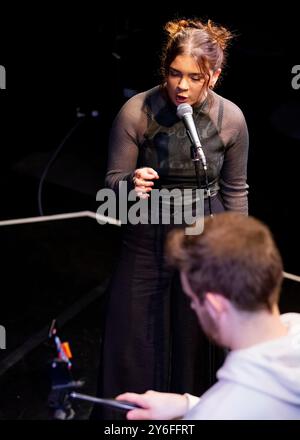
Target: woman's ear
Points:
(214, 78)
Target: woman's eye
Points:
(177, 74)
(174, 73)
(196, 78)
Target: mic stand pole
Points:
(197, 155)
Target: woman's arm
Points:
(125, 137)
(123, 147)
(233, 177)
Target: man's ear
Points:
(215, 304)
(185, 284)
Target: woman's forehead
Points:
(185, 64)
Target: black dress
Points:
(152, 339)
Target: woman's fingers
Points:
(143, 181)
(142, 195)
(145, 174)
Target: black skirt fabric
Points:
(152, 339)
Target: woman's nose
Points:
(183, 84)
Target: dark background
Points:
(65, 59)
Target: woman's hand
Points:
(156, 406)
(142, 180)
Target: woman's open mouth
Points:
(181, 99)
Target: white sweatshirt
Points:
(260, 382)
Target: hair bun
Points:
(219, 34)
(174, 27)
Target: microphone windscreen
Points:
(184, 109)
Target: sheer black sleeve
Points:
(233, 176)
(125, 137)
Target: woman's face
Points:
(185, 81)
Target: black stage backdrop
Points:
(61, 63)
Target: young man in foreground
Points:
(232, 274)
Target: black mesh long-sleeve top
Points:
(147, 133)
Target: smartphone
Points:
(120, 404)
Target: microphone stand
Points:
(197, 156)
(63, 385)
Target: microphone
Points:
(185, 112)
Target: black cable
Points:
(208, 192)
(196, 160)
(52, 159)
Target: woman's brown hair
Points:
(205, 42)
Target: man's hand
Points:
(156, 406)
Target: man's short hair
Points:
(235, 256)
